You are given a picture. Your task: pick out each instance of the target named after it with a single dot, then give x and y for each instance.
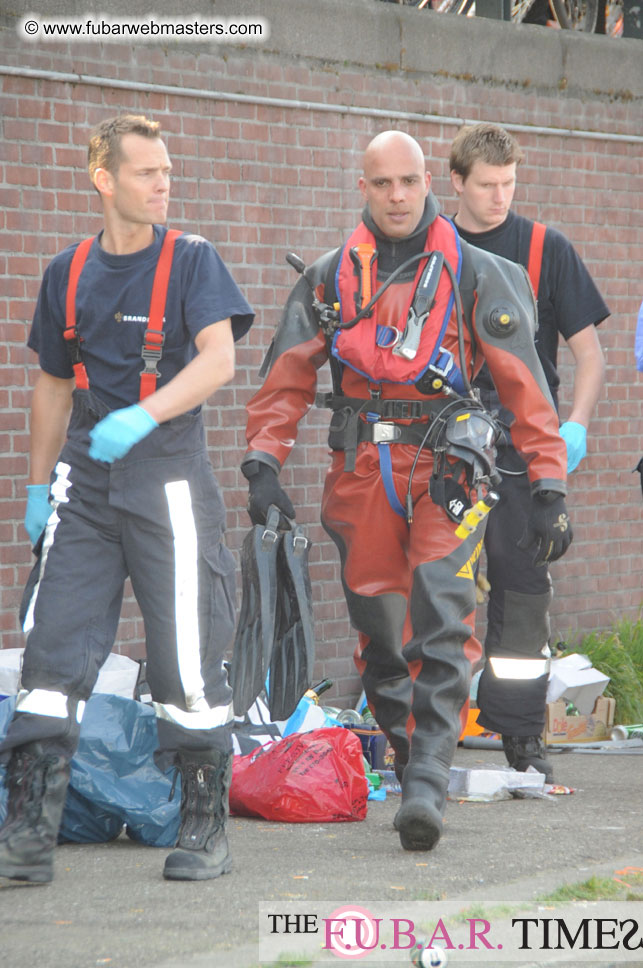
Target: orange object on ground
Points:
(472, 728)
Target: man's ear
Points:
(457, 181)
(103, 181)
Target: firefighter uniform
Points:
(156, 515)
(513, 686)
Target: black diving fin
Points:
(293, 653)
(255, 633)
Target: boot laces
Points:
(27, 784)
(527, 745)
(202, 803)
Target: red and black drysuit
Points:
(409, 587)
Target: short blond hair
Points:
(105, 149)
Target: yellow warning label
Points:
(467, 569)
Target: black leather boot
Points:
(37, 782)
(201, 850)
(524, 751)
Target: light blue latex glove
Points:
(116, 434)
(638, 341)
(575, 436)
(38, 510)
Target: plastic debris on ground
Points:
(313, 777)
(256, 728)
(390, 782)
(493, 784)
(375, 789)
(499, 783)
(480, 785)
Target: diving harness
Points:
(459, 428)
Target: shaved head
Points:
(392, 141)
(395, 183)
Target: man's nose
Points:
(398, 191)
(162, 181)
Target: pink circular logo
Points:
(351, 932)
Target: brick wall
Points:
(261, 179)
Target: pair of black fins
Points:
(275, 636)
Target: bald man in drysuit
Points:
(412, 450)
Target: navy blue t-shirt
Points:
(568, 300)
(112, 308)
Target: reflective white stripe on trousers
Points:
(519, 668)
(58, 494)
(47, 702)
(186, 604)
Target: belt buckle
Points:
(384, 433)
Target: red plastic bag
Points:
(315, 777)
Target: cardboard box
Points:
(574, 679)
(560, 727)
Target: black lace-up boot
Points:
(37, 782)
(524, 751)
(201, 850)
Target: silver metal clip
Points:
(410, 342)
(384, 433)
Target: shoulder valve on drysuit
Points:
(274, 640)
(458, 425)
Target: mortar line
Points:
(291, 104)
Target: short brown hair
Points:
(485, 142)
(105, 141)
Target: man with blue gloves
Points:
(112, 438)
(512, 688)
(134, 330)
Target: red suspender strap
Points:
(71, 333)
(154, 336)
(536, 255)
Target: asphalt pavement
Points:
(109, 904)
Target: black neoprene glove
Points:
(264, 489)
(549, 530)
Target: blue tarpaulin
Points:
(115, 782)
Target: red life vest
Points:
(367, 346)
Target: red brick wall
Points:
(260, 181)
